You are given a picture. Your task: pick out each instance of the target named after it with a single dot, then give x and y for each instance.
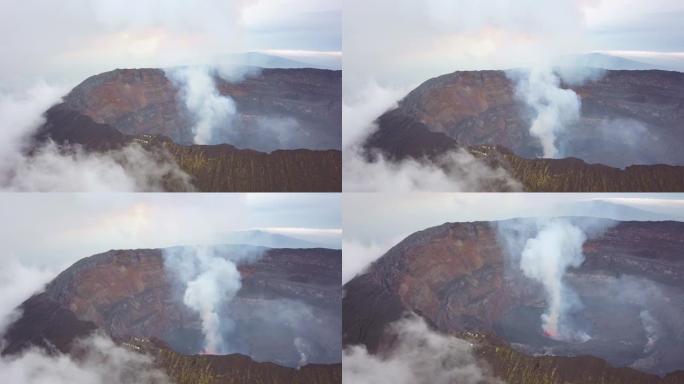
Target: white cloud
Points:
(419, 356)
(17, 283)
(54, 168)
(458, 170)
(73, 226)
(71, 40)
(99, 361)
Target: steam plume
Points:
(545, 258)
(555, 108)
(210, 280)
(211, 110)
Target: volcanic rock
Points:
(144, 106)
(131, 297)
(628, 131)
(459, 279)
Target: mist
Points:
(419, 355)
(455, 171)
(96, 358)
(99, 361)
(29, 166)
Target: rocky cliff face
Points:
(114, 109)
(458, 277)
(132, 297)
(629, 119)
(148, 101)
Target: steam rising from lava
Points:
(211, 280)
(543, 250)
(545, 258)
(555, 108)
(210, 109)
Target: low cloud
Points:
(419, 356)
(357, 256)
(18, 282)
(99, 361)
(27, 166)
(454, 171)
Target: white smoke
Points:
(546, 258)
(211, 110)
(419, 356)
(301, 346)
(99, 361)
(211, 280)
(651, 328)
(555, 108)
(53, 168)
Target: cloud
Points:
(357, 255)
(70, 41)
(99, 361)
(18, 282)
(27, 166)
(455, 171)
(426, 39)
(98, 358)
(419, 356)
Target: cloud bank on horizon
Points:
(65, 42)
(426, 39)
(73, 226)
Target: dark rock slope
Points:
(131, 297)
(630, 126)
(456, 277)
(116, 108)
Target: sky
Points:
(64, 42)
(374, 222)
(51, 231)
(400, 43)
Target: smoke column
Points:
(210, 109)
(556, 108)
(545, 258)
(210, 281)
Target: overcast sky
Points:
(65, 41)
(404, 42)
(374, 222)
(54, 230)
